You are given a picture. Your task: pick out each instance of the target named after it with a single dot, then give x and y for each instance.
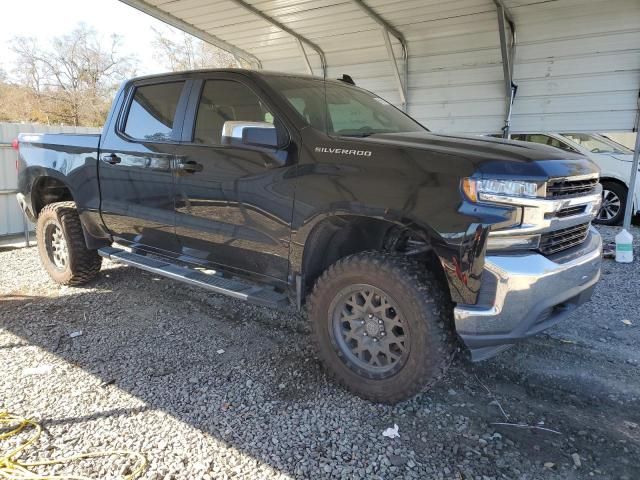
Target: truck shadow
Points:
(246, 376)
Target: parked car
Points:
(280, 189)
(614, 160)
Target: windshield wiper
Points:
(359, 135)
(362, 134)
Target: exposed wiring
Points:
(11, 468)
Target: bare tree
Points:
(178, 51)
(18, 104)
(74, 77)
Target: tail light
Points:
(16, 146)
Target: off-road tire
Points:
(621, 192)
(424, 304)
(82, 264)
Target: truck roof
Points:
(242, 71)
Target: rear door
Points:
(136, 160)
(233, 202)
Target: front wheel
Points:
(381, 325)
(61, 245)
(614, 201)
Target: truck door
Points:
(233, 201)
(135, 168)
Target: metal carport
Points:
(472, 66)
(577, 62)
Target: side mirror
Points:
(255, 134)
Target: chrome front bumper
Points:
(523, 294)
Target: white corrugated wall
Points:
(577, 61)
(577, 66)
(11, 217)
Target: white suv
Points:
(613, 159)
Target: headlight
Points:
(475, 187)
(512, 242)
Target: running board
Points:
(257, 294)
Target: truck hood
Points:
(495, 157)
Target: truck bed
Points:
(47, 161)
(60, 142)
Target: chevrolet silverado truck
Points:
(278, 189)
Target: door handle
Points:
(112, 158)
(190, 166)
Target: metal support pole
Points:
(389, 29)
(305, 57)
(508, 57)
(284, 28)
(26, 230)
(396, 70)
(628, 213)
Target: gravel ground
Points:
(208, 387)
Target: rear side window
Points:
(152, 111)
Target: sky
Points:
(44, 19)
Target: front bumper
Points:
(523, 294)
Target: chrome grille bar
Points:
(558, 240)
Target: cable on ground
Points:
(11, 468)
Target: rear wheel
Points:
(380, 325)
(614, 201)
(61, 245)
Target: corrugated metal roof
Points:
(577, 63)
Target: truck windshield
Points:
(348, 111)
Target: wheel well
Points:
(340, 236)
(48, 190)
(614, 180)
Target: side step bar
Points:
(257, 294)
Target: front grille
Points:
(571, 188)
(569, 211)
(554, 242)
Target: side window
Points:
(565, 147)
(152, 111)
(223, 101)
(537, 138)
(554, 142)
(547, 140)
(544, 139)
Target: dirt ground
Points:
(208, 387)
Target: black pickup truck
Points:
(281, 189)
